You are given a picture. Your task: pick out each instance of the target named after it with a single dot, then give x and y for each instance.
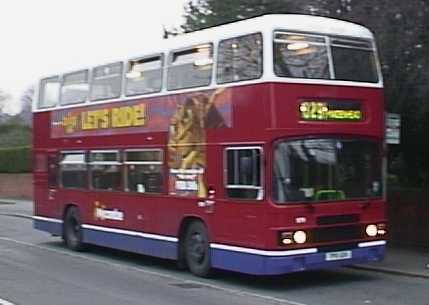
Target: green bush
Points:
(15, 160)
(14, 135)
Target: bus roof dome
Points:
(288, 22)
(323, 25)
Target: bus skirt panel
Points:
(233, 258)
(274, 263)
(51, 225)
(132, 241)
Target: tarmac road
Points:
(37, 269)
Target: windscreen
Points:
(316, 170)
(322, 57)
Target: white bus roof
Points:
(265, 24)
(268, 23)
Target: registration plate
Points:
(339, 255)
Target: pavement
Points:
(405, 261)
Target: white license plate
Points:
(339, 255)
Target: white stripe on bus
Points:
(263, 252)
(131, 233)
(47, 219)
(372, 243)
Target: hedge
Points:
(15, 160)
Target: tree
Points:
(26, 105)
(4, 98)
(200, 14)
(401, 29)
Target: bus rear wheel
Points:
(197, 252)
(73, 230)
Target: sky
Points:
(45, 37)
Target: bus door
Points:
(236, 204)
(46, 182)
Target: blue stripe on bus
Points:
(55, 228)
(137, 244)
(272, 265)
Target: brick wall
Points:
(16, 186)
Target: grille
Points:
(338, 247)
(337, 219)
(346, 233)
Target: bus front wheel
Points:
(197, 252)
(73, 230)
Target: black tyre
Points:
(197, 253)
(73, 230)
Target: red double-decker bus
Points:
(255, 146)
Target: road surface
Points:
(36, 269)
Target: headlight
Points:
(300, 237)
(371, 230)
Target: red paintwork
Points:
(261, 114)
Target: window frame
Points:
(161, 163)
(325, 43)
(169, 61)
(91, 77)
(42, 92)
(85, 162)
(237, 37)
(260, 189)
(117, 162)
(330, 41)
(325, 137)
(126, 67)
(63, 77)
(371, 48)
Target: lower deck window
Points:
(144, 171)
(73, 170)
(243, 173)
(106, 173)
(106, 177)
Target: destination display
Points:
(330, 111)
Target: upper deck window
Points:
(301, 56)
(144, 75)
(354, 60)
(240, 59)
(106, 81)
(190, 67)
(322, 57)
(74, 87)
(49, 92)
